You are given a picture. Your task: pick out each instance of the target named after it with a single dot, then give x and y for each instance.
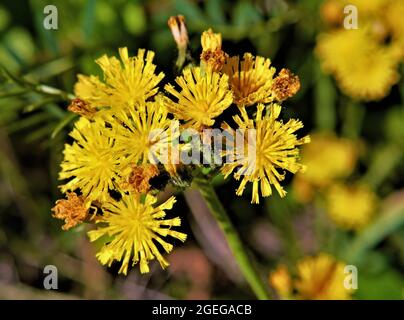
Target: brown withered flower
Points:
(212, 55)
(72, 210)
(81, 107)
(179, 31)
(285, 85)
(139, 177)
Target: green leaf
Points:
(245, 14)
(134, 18)
(88, 20)
(324, 99)
(28, 122)
(215, 12)
(377, 286)
(62, 124)
(190, 10)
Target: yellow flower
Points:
(212, 55)
(321, 278)
(137, 230)
(281, 281)
(91, 162)
(394, 19)
(211, 40)
(250, 79)
(332, 11)
(268, 148)
(351, 207)
(203, 97)
(145, 135)
(367, 7)
(364, 69)
(327, 158)
(127, 81)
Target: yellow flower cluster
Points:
(128, 130)
(365, 60)
(330, 161)
(318, 277)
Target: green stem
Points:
(235, 244)
(387, 223)
(385, 160)
(354, 115)
(39, 88)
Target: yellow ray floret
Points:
(251, 79)
(126, 81)
(91, 162)
(137, 229)
(203, 97)
(269, 146)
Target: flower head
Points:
(179, 31)
(91, 163)
(82, 108)
(203, 97)
(145, 135)
(250, 79)
(285, 85)
(127, 81)
(327, 158)
(393, 16)
(347, 54)
(321, 278)
(351, 207)
(136, 229)
(72, 210)
(281, 281)
(268, 147)
(212, 55)
(139, 177)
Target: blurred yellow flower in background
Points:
(364, 61)
(127, 81)
(319, 277)
(364, 69)
(351, 207)
(395, 24)
(137, 229)
(281, 281)
(327, 158)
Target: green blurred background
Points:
(33, 130)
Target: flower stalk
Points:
(236, 246)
